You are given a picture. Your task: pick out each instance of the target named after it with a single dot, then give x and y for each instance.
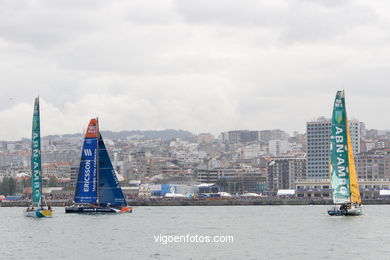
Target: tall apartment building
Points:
(139, 162)
(74, 172)
(234, 136)
(357, 131)
(318, 145)
(284, 171)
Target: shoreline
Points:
(220, 202)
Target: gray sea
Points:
(259, 232)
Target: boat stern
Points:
(355, 211)
(126, 210)
(45, 213)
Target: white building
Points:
(278, 147)
(318, 144)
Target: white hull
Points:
(30, 214)
(355, 211)
(39, 213)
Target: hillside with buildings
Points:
(236, 162)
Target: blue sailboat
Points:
(97, 188)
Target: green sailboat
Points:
(37, 209)
(344, 179)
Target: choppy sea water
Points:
(259, 232)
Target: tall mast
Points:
(97, 160)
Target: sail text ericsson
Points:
(87, 175)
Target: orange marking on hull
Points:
(125, 209)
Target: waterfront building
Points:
(205, 175)
(244, 182)
(145, 189)
(234, 180)
(313, 188)
(321, 188)
(208, 188)
(253, 181)
(318, 145)
(374, 164)
(282, 172)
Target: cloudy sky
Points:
(198, 65)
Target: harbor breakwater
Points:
(220, 202)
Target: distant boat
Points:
(344, 179)
(37, 209)
(97, 189)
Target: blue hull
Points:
(337, 212)
(91, 209)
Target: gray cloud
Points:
(196, 65)
(294, 21)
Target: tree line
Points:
(8, 185)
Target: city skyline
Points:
(191, 65)
(216, 135)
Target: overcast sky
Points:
(197, 65)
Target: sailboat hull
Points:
(354, 211)
(45, 213)
(91, 209)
